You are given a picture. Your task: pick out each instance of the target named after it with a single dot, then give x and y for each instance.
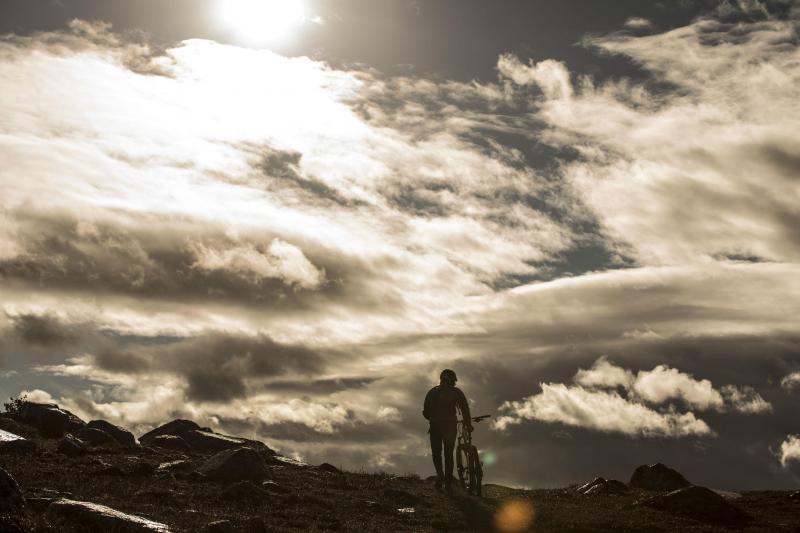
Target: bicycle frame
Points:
(468, 463)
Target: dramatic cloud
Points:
(599, 410)
(581, 405)
(790, 450)
(663, 384)
(791, 381)
(604, 374)
(292, 251)
(638, 23)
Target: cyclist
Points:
(440, 410)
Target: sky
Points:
(283, 223)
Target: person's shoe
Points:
(448, 487)
(439, 485)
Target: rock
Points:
(10, 495)
(175, 428)
(95, 517)
(208, 441)
(123, 437)
(201, 439)
(220, 526)
(51, 421)
(795, 496)
(11, 443)
(235, 465)
(586, 486)
(175, 466)
(401, 497)
(608, 487)
(38, 504)
(155, 494)
(701, 504)
(327, 467)
(70, 445)
(95, 437)
(243, 490)
(170, 442)
(271, 486)
(658, 477)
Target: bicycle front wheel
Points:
(462, 465)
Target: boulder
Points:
(243, 490)
(51, 421)
(327, 467)
(10, 495)
(95, 437)
(201, 439)
(123, 437)
(235, 465)
(220, 526)
(71, 445)
(210, 442)
(700, 504)
(271, 486)
(175, 466)
(11, 443)
(170, 442)
(94, 517)
(658, 477)
(608, 487)
(586, 486)
(176, 428)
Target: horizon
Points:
(283, 221)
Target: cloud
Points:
(745, 400)
(604, 374)
(552, 77)
(601, 411)
(638, 23)
(283, 249)
(791, 381)
(654, 164)
(587, 405)
(790, 450)
(663, 384)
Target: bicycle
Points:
(468, 463)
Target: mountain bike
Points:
(468, 463)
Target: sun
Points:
(264, 21)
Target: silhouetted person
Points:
(440, 409)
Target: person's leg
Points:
(448, 433)
(436, 451)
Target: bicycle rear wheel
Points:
(475, 471)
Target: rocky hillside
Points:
(61, 474)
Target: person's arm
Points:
(426, 407)
(463, 406)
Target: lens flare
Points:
(263, 20)
(515, 516)
(489, 458)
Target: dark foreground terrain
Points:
(166, 486)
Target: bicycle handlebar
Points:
(477, 418)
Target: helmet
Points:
(448, 375)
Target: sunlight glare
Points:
(263, 20)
